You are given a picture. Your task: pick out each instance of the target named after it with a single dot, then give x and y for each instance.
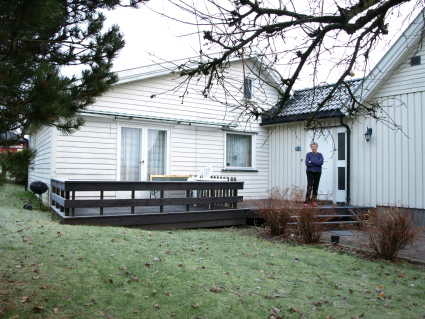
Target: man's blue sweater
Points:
(314, 162)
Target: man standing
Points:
(313, 162)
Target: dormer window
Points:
(247, 88)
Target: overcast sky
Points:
(151, 37)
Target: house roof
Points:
(304, 103)
(393, 57)
(172, 67)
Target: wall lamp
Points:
(368, 134)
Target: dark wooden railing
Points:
(205, 193)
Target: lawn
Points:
(49, 270)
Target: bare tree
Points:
(299, 37)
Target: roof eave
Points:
(304, 116)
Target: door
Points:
(341, 166)
(326, 146)
(143, 153)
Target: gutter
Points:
(117, 115)
(348, 166)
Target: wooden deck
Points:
(160, 204)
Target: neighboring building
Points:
(142, 126)
(16, 147)
(383, 168)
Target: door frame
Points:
(144, 150)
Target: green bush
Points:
(14, 165)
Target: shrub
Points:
(277, 210)
(308, 228)
(277, 219)
(390, 230)
(16, 164)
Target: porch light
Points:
(368, 134)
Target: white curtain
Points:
(157, 152)
(130, 154)
(238, 149)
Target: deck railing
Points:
(66, 195)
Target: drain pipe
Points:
(348, 166)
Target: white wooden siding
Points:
(389, 170)
(136, 98)
(405, 78)
(41, 168)
(92, 152)
(287, 166)
(88, 154)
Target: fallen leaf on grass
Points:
(156, 306)
(37, 309)
(134, 278)
(25, 299)
(195, 306)
(55, 310)
(216, 289)
(148, 264)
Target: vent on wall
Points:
(415, 60)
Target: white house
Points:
(142, 126)
(384, 168)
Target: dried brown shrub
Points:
(308, 228)
(390, 230)
(278, 209)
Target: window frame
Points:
(253, 153)
(144, 151)
(251, 81)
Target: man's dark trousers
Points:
(313, 179)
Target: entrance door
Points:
(326, 144)
(143, 153)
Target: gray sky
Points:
(151, 37)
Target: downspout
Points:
(348, 197)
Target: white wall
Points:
(389, 170)
(92, 153)
(41, 168)
(287, 166)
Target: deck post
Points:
(73, 198)
(101, 197)
(52, 202)
(133, 195)
(66, 209)
(62, 194)
(188, 196)
(161, 196)
(235, 193)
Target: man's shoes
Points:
(314, 204)
(305, 205)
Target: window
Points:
(157, 140)
(238, 150)
(247, 88)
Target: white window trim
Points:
(253, 153)
(144, 156)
